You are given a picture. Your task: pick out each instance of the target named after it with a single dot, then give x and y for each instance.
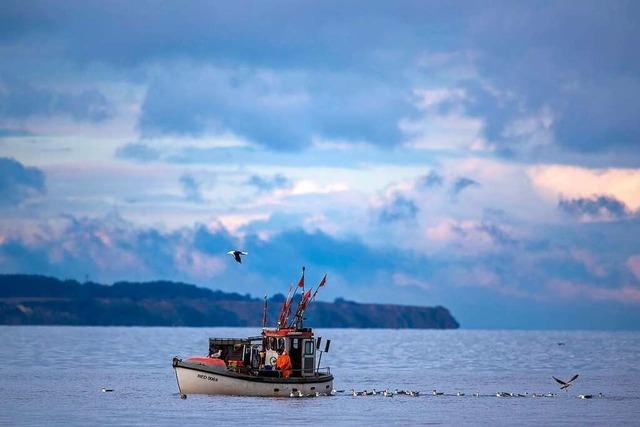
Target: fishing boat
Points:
(253, 366)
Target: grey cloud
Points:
(241, 31)
(463, 183)
(497, 233)
(191, 188)
(132, 253)
(399, 208)
(514, 279)
(7, 133)
(21, 100)
(18, 182)
(268, 183)
(577, 62)
(129, 252)
(596, 207)
(432, 179)
(278, 109)
(138, 152)
(494, 231)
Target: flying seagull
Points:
(236, 255)
(565, 385)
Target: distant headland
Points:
(41, 300)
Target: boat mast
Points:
(264, 312)
(304, 301)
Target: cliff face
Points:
(38, 300)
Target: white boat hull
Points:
(192, 380)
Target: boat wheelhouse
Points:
(250, 366)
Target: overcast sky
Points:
(484, 156)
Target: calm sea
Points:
(54, 376)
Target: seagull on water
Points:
(236, 255)
(438, 393)
(564, 385)
(585, 396)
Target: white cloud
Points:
(469, 235)
(554, 181)
(450, 129)
(431, 98)
(337, 144)
(303, 187)
(402, 279)
(174, 143)
(533, 130)
(233, 222)
(197, 264)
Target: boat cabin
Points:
(258, 355)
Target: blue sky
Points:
(485, 157)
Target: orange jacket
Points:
(283, 363)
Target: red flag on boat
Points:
(286, 308)
(301, 281)
(302, 306)
(323, 281)
(284, 313)
(305, 299)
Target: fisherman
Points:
(283, 363)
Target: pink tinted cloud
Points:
(633, 262)
(590, 262)
(571, 290)
(576, 182)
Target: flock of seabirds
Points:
(564, 385)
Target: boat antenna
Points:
(321, 284)
(264, 312)
(304, 301)
(286, 308)
(290, 299)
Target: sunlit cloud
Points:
(575, 290)
(557, 181)
(444, 124)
